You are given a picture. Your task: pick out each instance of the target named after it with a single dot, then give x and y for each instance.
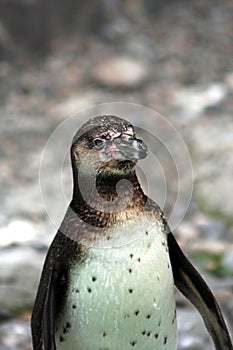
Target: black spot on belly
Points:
(66, 328)
(156, 335)
(130, 290)
(136, 312)
(104, 334)
(94, 279)
(130, 270)
(74, 306)
(89, 290)
(165, 340)
(174, 317)
(133, 343)
(148, 316)
(148, 333)
(61, 339)
(131, 256)
(143, 332)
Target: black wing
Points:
(49, 315)
(52, 290)
(43, 310)
(191, 284)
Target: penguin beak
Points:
(126, 149)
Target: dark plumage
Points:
(107, 282)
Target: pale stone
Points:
(120, 71)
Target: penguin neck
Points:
(107, 199)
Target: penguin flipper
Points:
(43, 310)
(194, 288)
(42, 315)
(49, 316)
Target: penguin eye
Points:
(98, 143)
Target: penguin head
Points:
(107, 144)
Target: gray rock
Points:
(20, 271)
(192, 332)
(213, 167)
(210, 228)
(193, 101)
(15, 335)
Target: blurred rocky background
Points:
(59, 57)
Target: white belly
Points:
(121, 299)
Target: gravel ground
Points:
(177, 61)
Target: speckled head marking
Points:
(107, 125)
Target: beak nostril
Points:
(142, 146)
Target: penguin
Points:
(109, 274)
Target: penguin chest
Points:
(121, 298)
